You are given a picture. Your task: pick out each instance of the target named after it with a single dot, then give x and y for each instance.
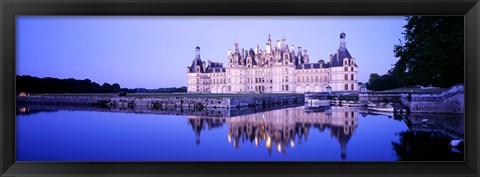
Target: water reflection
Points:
(278, 129)
(285, 128)
(428, 137)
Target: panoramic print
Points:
(230, 88)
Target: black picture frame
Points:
(10, 8)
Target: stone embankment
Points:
(197, 103)
(449, 100)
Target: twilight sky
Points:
(154, 51)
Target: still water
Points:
(286, 134)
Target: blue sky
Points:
(154, 51)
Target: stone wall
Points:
(166, 102)
(449, 101)
(379, 97)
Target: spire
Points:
(269, 40)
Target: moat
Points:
(82, 133)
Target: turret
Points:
(235, 45)
(305, 56)
(343, 43)
(269, 40)
(243, 52)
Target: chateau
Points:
(277, 69)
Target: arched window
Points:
(346, 86)
(346, 63)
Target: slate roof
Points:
(309, 66)
(215, 66)
(199, 63)
(342, 53)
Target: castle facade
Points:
(276, 69)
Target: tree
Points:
(373, 81)
(431, 52)
(383, 82)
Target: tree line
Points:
(30, 84)
(431, 54)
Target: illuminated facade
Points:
(277, 69)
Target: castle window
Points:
(283, 87)
(286, 87)
(346, 116)
(346, 76)
(345, 69)
(316, 78)
(352, 86)
(346, 63)
(352, 68)
(346, 86)
(352, 77)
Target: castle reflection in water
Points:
(284, 128)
